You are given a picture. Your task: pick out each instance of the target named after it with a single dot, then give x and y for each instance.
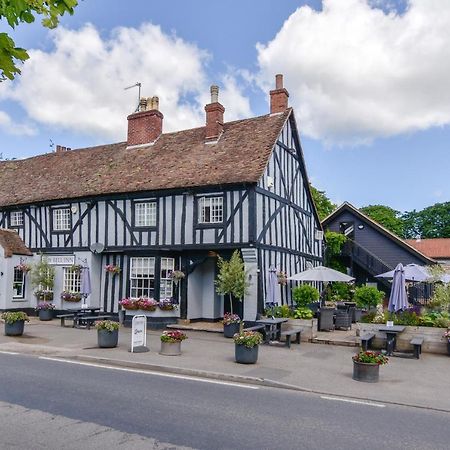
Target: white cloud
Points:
(356, 72)
(79, 84)
(9, 126)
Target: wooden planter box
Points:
(433, 341)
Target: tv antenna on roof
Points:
(137, 84)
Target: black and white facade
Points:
(148, 232)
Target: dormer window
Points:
(16, 219)
(145, 214)
(62, 219)
(210, 210)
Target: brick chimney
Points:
(145, 126)
(279, 96)
(214, 116)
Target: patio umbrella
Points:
(398, 299)
(272, 286)
(413, 272)
(321, 273)
(85, 288)
(445, 278)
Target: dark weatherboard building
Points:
(160, 202)
(370, 249)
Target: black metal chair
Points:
(343, 319)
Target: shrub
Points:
(303, 313)
(342, 291)
(367, 296)
(441, 296)
(304, 295)
(248, 338)
(279, 311)
(14, 316)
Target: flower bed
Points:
(72, 297)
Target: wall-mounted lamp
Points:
(360, 226)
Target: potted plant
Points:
(43, 279)
(232, 278)
(45, 311)
(246, 346)
(107, 333)
(128, 303)
(177, 276)
(166, 304)
(231, 324)
(171, 342)
(446, 336)
(366, 366)
(14, 322)
(72, 297)
(146, 304)
(368, 297)
(304, 295)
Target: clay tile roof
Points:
(176, 160)
(13, 244)
(434, 248)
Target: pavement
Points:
(318, 368)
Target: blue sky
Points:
(368, 81)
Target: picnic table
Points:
(79, 313)
(391, 336)
(273, 327)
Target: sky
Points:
(369, 81)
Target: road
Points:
(61, 405)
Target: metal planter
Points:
(107, 339)
(245, 355)
(15, 328)
(230, 330)
(45, 314)
(366, 372)
(170, 348)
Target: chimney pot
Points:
(214, 94)
(279, 96)
(142, 104)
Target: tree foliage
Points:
(16, 12)
(387, 217)
(323, 204)
(431, 222)
(334, 242)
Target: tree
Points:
(387, 217)
(434, 221)
(232, 278)
(19, 11)
(323, 204)
(334, 243)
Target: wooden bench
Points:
(289, 333)
(255, 328)
(63, 318)
(366, 341)
(91, 319)
(417, 344)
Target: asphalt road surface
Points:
(47, 404)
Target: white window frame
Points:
(16, 275)
(145, 214)
(16, 219)
(142, 277)
(210, 210)
(165, 280)
(61, 219)
(71, 280)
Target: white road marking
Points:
(147, 372)
(8, 353)
(348, 400)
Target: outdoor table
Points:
(391, 336)
(273, 327)
(80, 312)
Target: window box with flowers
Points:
(112, 269)
(149, 307)
(72, 297)
(45, 311)
(43, 295)
(171, 342)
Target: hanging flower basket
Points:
(112, 269)
(25, 268)
(282, 278)
(73, 297)
(76, 268)
(177, 276)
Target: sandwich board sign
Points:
(139, 334)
